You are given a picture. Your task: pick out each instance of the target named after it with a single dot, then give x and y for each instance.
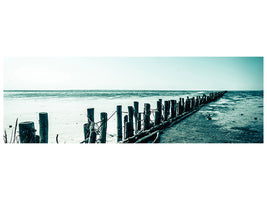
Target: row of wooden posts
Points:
(132, 124)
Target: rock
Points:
(255, 118)
(242, 114)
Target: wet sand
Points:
(229, 122)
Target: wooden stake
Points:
(159, 109)
(147, 116)
(86, 132)
(103, 128)
(43, 122)
(136, 112)
(119, 123)
(130, 115)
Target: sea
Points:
(239, 113)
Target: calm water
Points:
(67, 108)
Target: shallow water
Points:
(67, 109)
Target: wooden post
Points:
(119, 123)
(127, 130)
(103, 128)
(136, 112)
(125, 120)
(180, 106)
(27, 132)
(159, 109)
(92, 137)
(43, 121)
(139, 122)
(172, 108)
(91, 119)
(166, 110)
(187, 104)
(86, 131)
(90, 115)
(161, 114)
(130, 115)
(157, 117)
(183, 107)
(147, 116)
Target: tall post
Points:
(166, 110)
(43, 121)
(27, 132)
(172, 108)
(103, 128)
(159, 109)
(130, 115)
(147, 116)
(91, 120)
(161, 114)
(119, 123)
(136, 112)
(90, 115)
(183, 106)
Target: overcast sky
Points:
(174, 73)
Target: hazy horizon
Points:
(133, 73)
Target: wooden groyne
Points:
(133, 127)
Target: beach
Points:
(234, 114)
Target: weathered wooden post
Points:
(166, 110)
(125, 120)
(86, 131)
(172, 108)
(27, 132)
(43, 121)
(92, 136)
(103, 127)
(119, 123)
(127, 130)
(136, 112)
(90, 115)
(91, 119)
(183, 107)
(180, 106)
(157, 117)
(130, 115)
(159, 109)
(147, 116)
(139, 122)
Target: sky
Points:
(147, 73)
